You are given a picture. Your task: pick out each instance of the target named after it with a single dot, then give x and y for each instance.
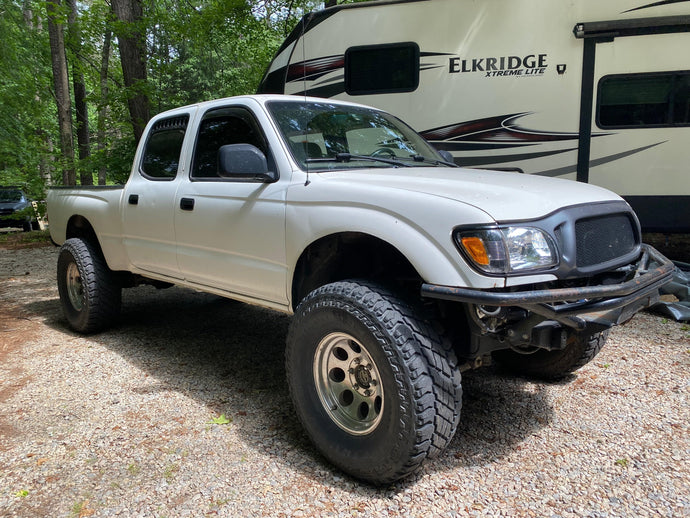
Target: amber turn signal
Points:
(476, 249)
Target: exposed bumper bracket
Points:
(599, 306)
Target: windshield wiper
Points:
(347, 157)
(435, 161)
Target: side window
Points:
(378, 69)
(644, 100)
(163, 147)
(221, 126)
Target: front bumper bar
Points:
(604, 305)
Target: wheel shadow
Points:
(229, 356)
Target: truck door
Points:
(640, 121)
(231, 232)
(148, 210)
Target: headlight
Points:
(507, 250)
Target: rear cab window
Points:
(161, 156)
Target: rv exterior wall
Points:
(501, 89)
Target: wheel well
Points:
(79, 226)
(351, 255)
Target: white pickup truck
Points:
(401, 269)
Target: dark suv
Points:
(15, 208)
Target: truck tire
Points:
(553, 365)
(375, 386)
(90, 293)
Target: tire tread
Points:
(429, 364)
(103, 292)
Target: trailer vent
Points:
(604, 238)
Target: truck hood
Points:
(503, 196)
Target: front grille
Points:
(603, 238)
(6, 212)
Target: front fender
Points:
(419, 226)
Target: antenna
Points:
(304, 85)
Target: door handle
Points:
(187, 203)
(133, 199)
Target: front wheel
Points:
(90, 293)
(376, 388)
(552, 365)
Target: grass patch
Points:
(15, 240)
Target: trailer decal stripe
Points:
(502, 159)
(599, 161)
(314, 68)
(476, 146)
(501, 128)
(324, 91)
(655, 4)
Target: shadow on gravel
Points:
(229, 356)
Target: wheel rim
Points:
(75, 288)
(348, 383)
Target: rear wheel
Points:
(90, 293)
(376, 388)
(551, 365)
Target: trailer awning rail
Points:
(635, 27)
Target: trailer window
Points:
(644, 100)
(379, 69)
(163, 147)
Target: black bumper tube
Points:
(604, 305)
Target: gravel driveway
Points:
(122, 423)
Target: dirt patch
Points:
(16, 329)
(24, 240)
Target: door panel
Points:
(149, 232)
(231, 231)
(646, 153)
(234, 237)
(641, 127)
(148, 210)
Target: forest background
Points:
(80, 79)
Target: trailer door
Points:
(639, 123)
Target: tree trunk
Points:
(79, 89)
(62, 98)
(103, 106)
(131, 36)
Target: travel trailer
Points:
(592, 91)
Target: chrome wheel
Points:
(348, 383)
(75, 288)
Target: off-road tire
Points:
(553, 365)
(90, 292)
(415, 371)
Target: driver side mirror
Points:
(244, 162)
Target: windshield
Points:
(325, 136)
(10, 195)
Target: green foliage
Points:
(196, 51)
(25, 121)
(221, 419)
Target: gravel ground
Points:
(121, 423)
